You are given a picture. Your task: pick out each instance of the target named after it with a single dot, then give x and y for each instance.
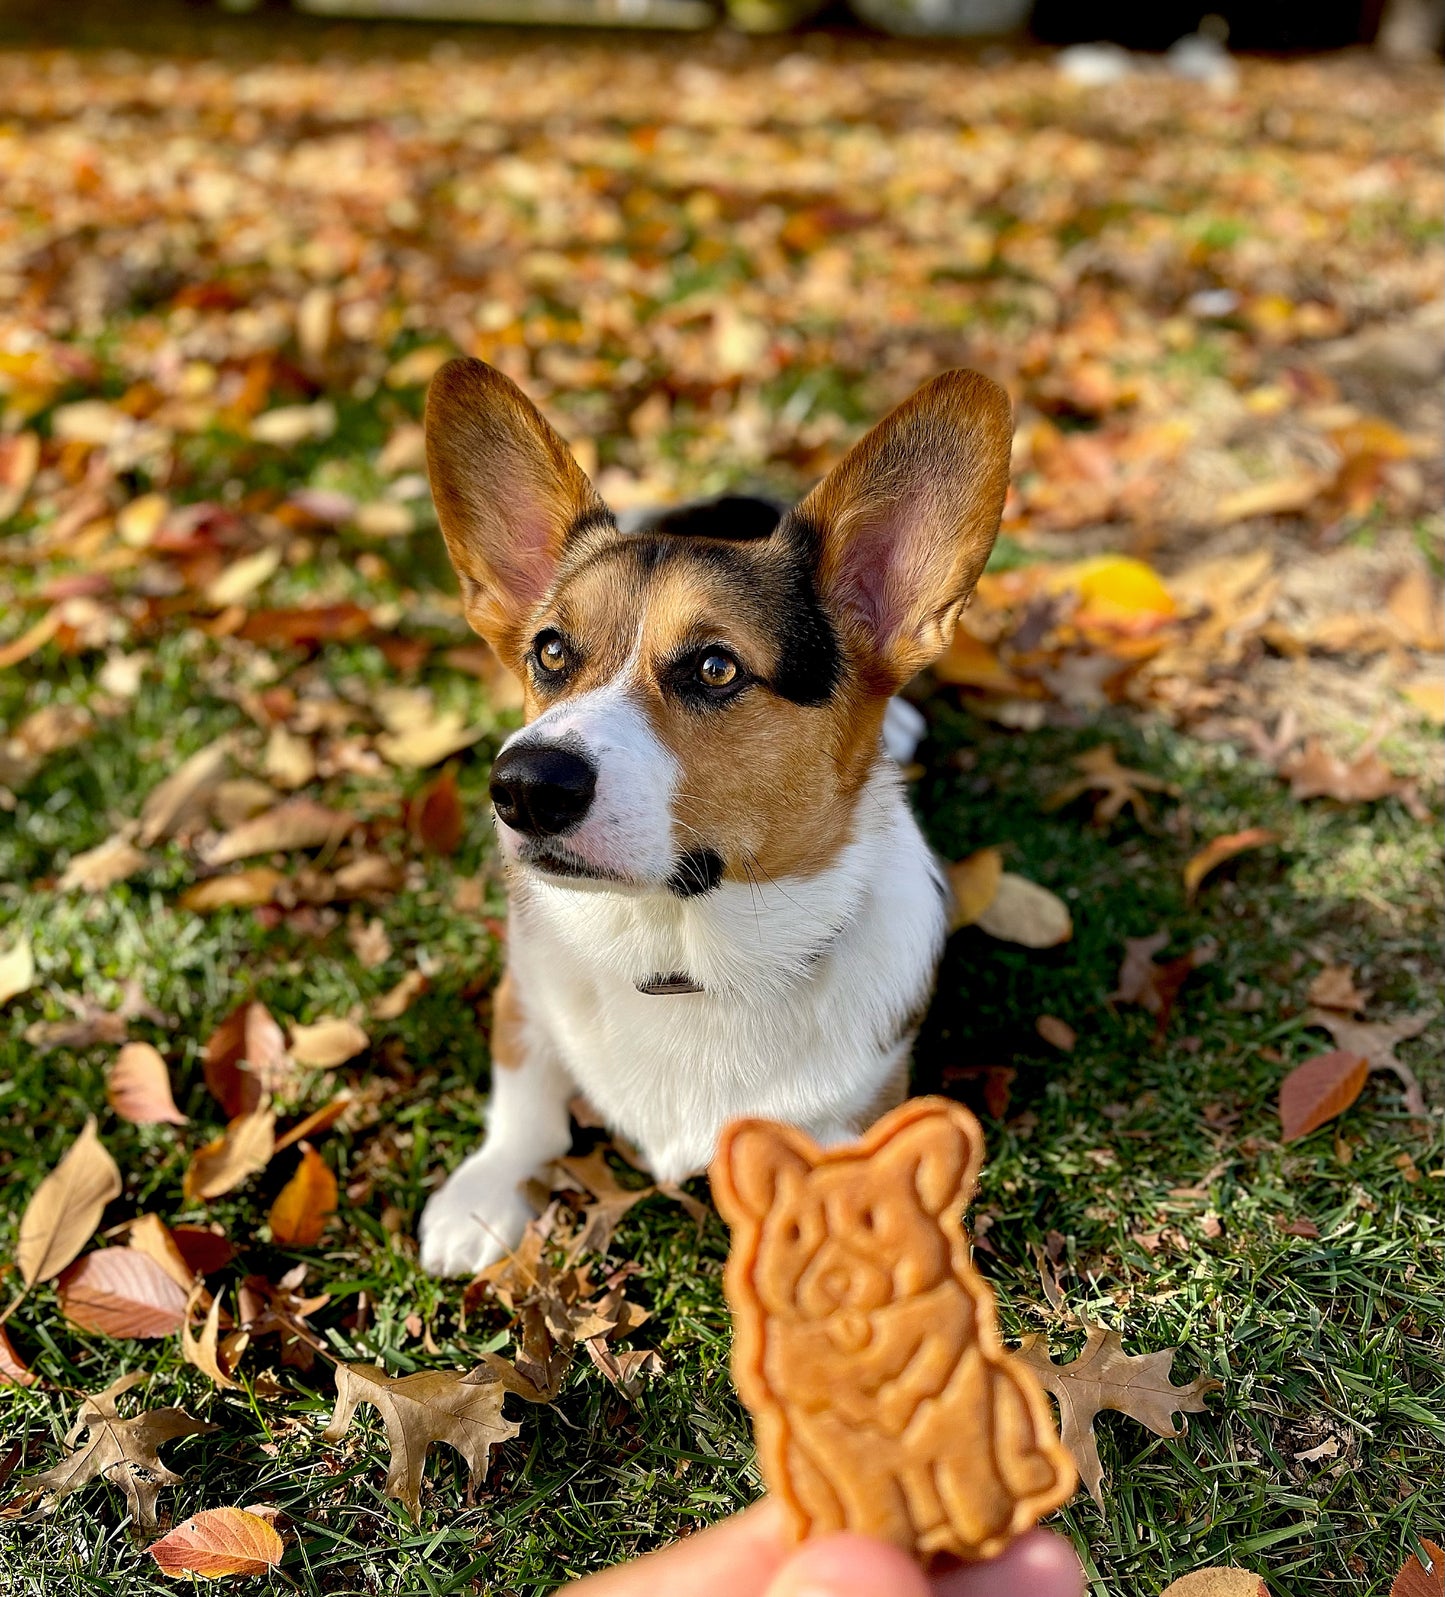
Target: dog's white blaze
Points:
(628, 830)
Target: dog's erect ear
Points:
(755, 1159)
(904, 523)
(940, 1165)
(507, 493)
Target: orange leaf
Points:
(436, 814)
(121, 1292)
(244, 889)
(12, 1367)
(138, 1087)
(243, 1148)
(975, 883)
(1415, 1580)
(218, 1542)
(1318, 1090)
(305, 1203)
(321, 1119)
(1219, 849)
(970, 663)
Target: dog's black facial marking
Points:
(737, 518)
(810, 662)
(698, 871)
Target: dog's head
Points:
(704, 701)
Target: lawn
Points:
(198, 242)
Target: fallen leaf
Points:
(121, 1451)
(394, 1003)
(1316, 773)
(427, 740)
(610, 1200)
(1023, 912)
(436, 814)
(1153, 986)
(240, 1151)
(1281, 496)
(218, 1542)
(183, 794)
(33, 638)
(289, 425)
(93, 1023)
(204, 1351)
(305, 1204)
(102, 866)
(149, 1234)
(138, 1087)
(327, 1043)
(205, 1250)
(968, 662)
(243, 577)
(19, 458)
(306, 625)
(1116, 785)
(1428, 697)
(279, 1310)
(1416, 1580)
(1302, 1227)
(1224, 1581)
(1219, 849)
(1415, 608)
(12, 1367)
(318, 1120)
(1334, 988)
(1105, 1377)
(121, 1292)
(243, 889)
(1057, 1032)
(246, 1058)
(290, 761)
(17, 970)
(1377, 1041)
(974, 882)
(298, 823)
(65, 1208)
(419, 1410)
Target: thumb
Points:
(848, 1566)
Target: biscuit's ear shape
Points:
(903, 525)
(507, 492)
(942, 1160)
(755, 1159)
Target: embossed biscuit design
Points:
(865, 1342)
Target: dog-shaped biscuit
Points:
(865, 1342)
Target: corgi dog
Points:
(720, 902)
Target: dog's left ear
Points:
(507, 493)
(904, 523)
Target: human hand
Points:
(751, 1555)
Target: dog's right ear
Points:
(507, 492)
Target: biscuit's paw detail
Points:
(865, 1342)
(476, 1218)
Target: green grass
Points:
(1339, 1336)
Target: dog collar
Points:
(677, 982)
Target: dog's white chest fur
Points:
(812, 989)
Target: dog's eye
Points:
(717, 670)
(551, 652)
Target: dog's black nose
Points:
(542, 790)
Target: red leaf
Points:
(1414, 1580)
(203, 1250)
(219, 1541)
(245, 1056)
(12, 1366)
(306, 624)
(121, 1292)
(1318, 1090)
(436, 814)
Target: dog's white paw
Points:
(477, 1218)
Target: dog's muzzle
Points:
(542, 790)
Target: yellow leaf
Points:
(1220, 849)
(1023, 912)
(1116, 592)
(17, 970)
(975, 885)
(305, 1204)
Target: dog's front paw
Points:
(477, 1218)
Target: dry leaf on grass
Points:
(305, 1204)
(204, 1248)
(610, 1200)
(395, 1002)
(243, 1148)
(1219, 849)
(181, 797)
(317, 1121)
(102, 866)
(121, 1292)
(435, 815)
(138, 1087)
(1059, 1033)
(243, 889)
(243, 577)
(1377, 1041)
(17, 970)
(327, 1042)
(150, 1235)
(218, 1542)
(418, 1411)
(1221, 1582)
(1116, 785)
(1334, 988)
(1105, 1376)
(418, 734)
(1415, 1580)
(1316, 773)
(1155, 987)
(121, 1451)
(1318, 1090)
(246, 1058)
(278, 1309)
(205, 1351)
(65, 1208)
(974, 882)
(12, 1367)
(298, 823)
(1025, 913)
